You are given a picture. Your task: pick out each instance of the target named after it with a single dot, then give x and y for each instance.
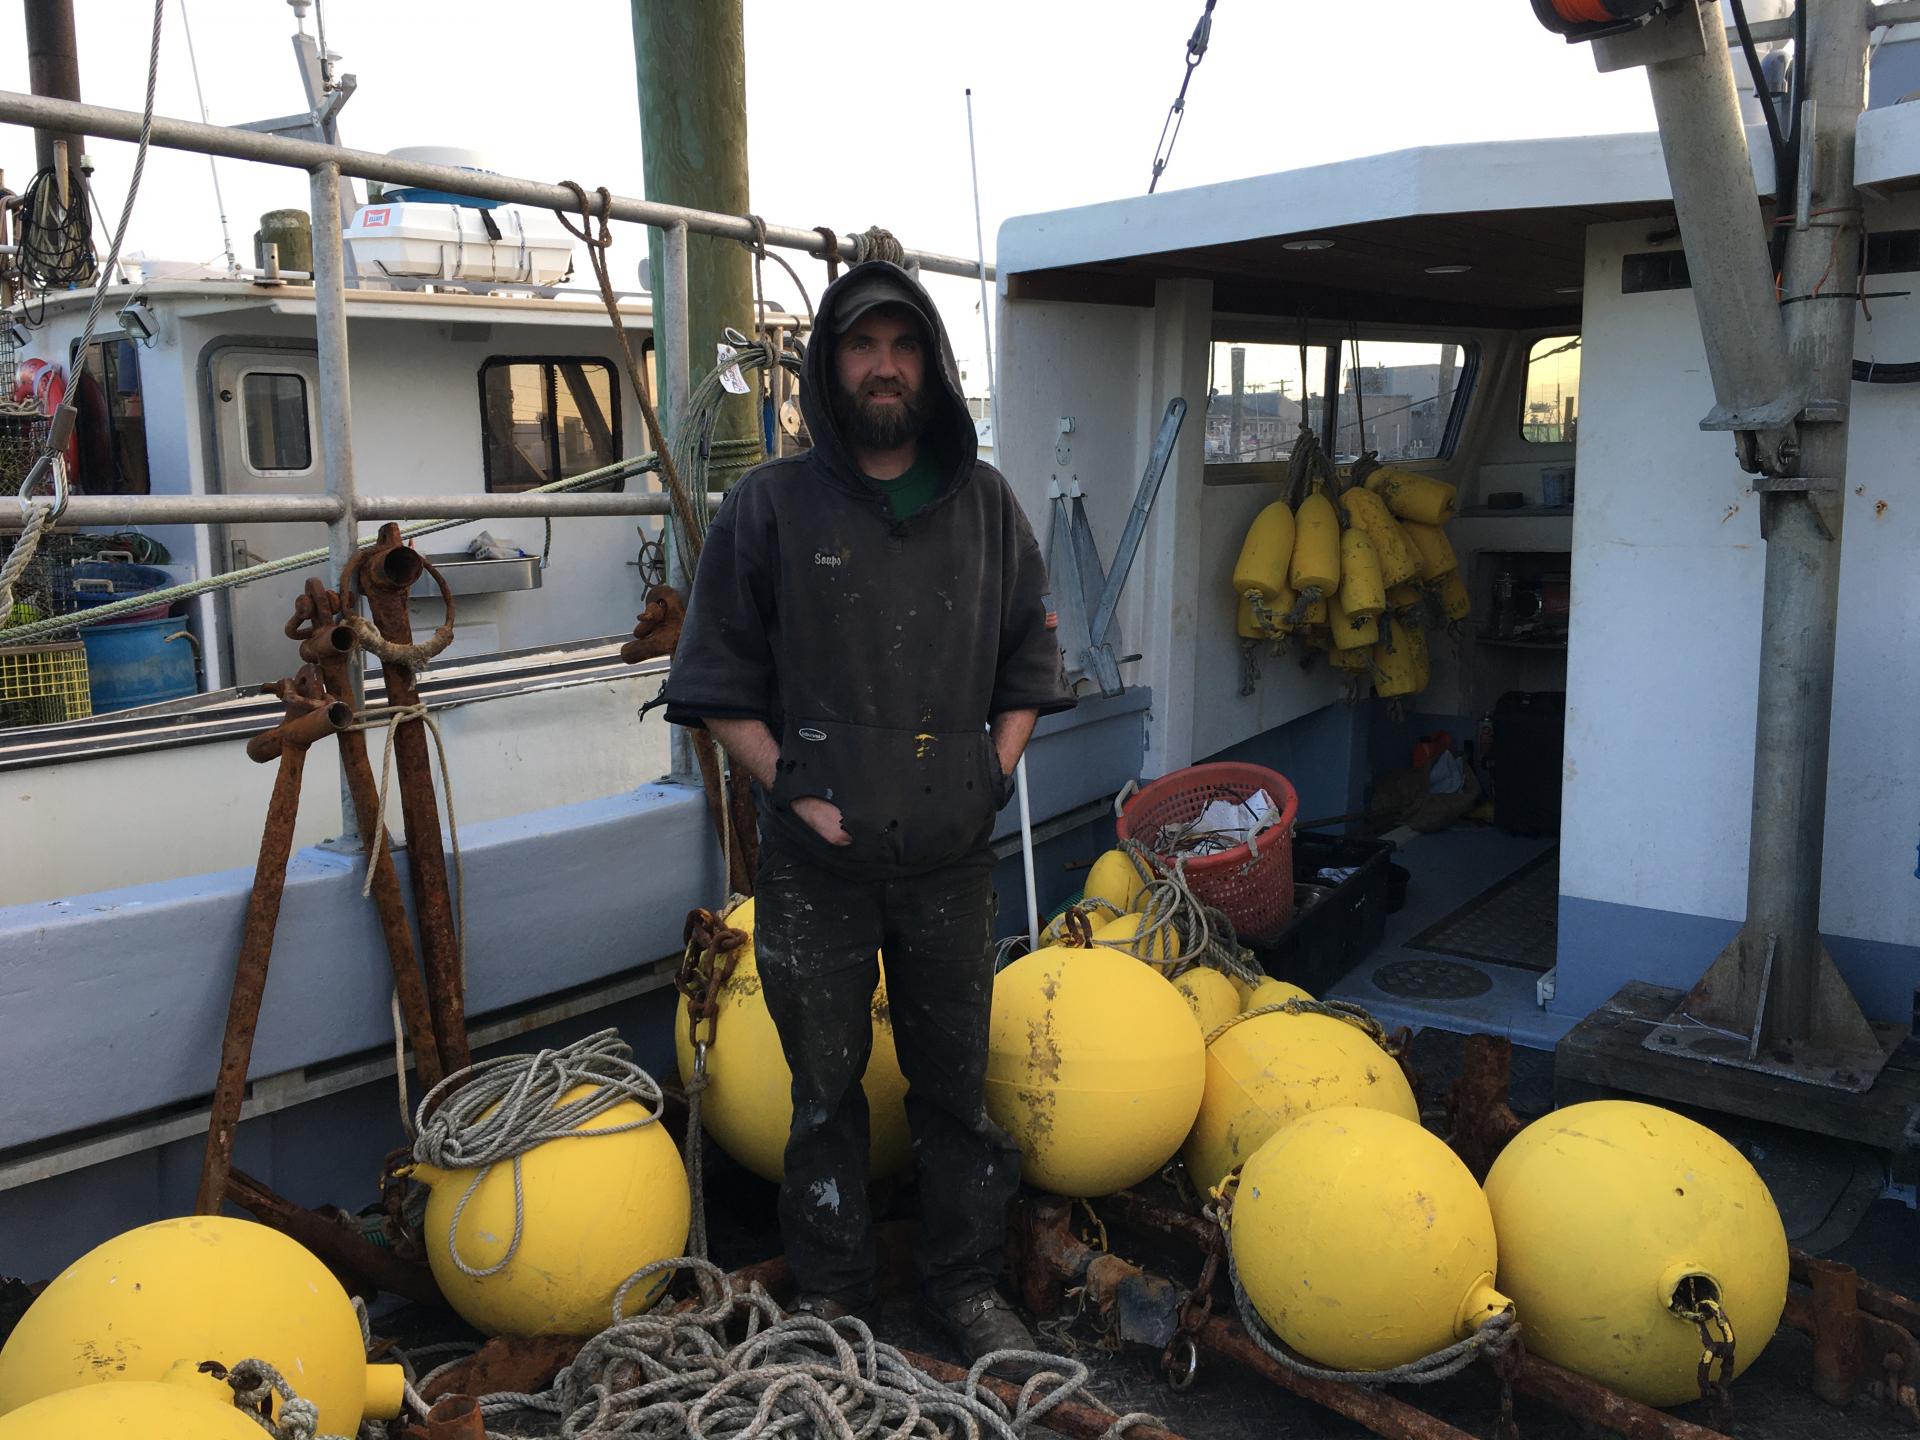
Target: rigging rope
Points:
(1177, 112)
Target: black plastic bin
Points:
(1325, 940)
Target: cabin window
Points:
(273, 407)
(547, 418)
(1400, 400)
(1551, 413)
(112, 429)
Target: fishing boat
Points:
(1545, 839)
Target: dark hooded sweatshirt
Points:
(875, 649)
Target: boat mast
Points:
(53, 70)
(1782, 365)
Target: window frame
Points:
(550, 381)
(110, 371)
(307, 418)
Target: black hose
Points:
(1866, 372)
(55, 244)
(1760, 88)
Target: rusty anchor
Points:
(385, 574)
(329, 645)
(307, 720)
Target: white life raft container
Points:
(441, 240)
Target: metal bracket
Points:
(1792, 484)
(1673, 34)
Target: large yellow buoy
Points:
(1264, 554)
(1160, 946)
(1606, 1211)
(184, 1405)
(1271, 991)
(1116, 879)
(1266, 1071)
(596, 1208)
(202, 1288)
(748, 1104)
(1362, 1240)
(1210, 995)
(1094, 1067)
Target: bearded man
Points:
(867, 637)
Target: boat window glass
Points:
(547, 418)
(1403, 394)
(1551, 412)
(273, 404)
(1408, 392)
(1253, 400)
(112, 429)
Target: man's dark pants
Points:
(816, 935)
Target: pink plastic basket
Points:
(1252, 885)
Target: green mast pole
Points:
(691, 63)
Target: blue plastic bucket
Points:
(133, 664)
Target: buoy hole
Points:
(1692, 1292)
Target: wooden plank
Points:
(1604, 1053)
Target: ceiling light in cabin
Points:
(1567, 289)
(1448, 269)
(1316, 242)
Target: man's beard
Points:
(870, 426)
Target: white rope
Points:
(499, 1109)
(679, 1376)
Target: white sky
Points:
(856, 114)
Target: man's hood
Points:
(949, 431)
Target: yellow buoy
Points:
(1430, 543)
(1161, 947)
(1275, 992)
(1246, 623)
(1404, 597)
(1363, 593)
(596, 1209)
(1403, 668)
(1455, 603)
(1210, 995)
(1116, 879)
(184, 1405)
(1264, 553)
(1269, 1070)
(1360, 662)
(1350, 632)
(1094, 1067)
(1316, 545)
(1362, 1240)
(1608, 1210)
(1412, 496)
(201, 1288)
(748, 1104)
(1367, 511)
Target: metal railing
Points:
(342, 507)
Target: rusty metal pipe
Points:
(1836, 1330)
(295, 734)
(342, 1251)
(302, 731)
(456, 1417)
(329, 647)
(1069, 1418)
(1874, 1299)
(387, 573)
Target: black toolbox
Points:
(1327, 938)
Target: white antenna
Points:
(219, 202)
(993, 419)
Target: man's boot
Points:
(982, 1324)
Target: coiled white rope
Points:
(499, 1109)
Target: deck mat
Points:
(1515, 921)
